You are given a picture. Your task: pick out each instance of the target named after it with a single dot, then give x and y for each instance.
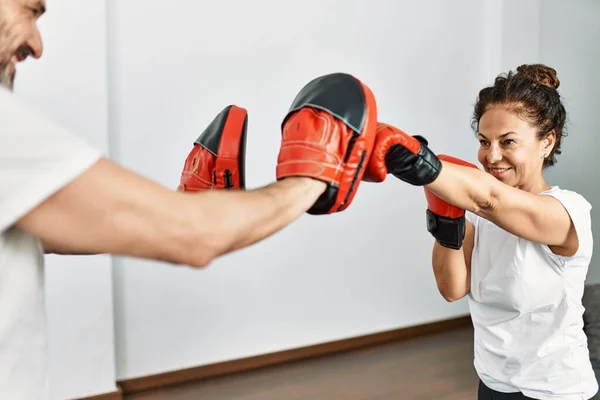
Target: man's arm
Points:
(109, 209)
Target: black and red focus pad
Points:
(217, 160)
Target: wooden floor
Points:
(436, 367)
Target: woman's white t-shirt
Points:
(37, 158)
(525, 302)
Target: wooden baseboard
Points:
(116, 395)
(136, 385)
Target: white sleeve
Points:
(37, 158)
(472, 218)
(579, 210)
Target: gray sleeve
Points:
(591, 319)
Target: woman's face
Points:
(509, 148)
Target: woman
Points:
(527, 245)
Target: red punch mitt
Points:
(328, 134)
(217, 160)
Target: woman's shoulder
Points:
(569, 198)
(579, 210)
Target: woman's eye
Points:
(508, 142)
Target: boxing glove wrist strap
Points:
(417, 169)
(449, 232)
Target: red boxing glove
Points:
(217, 160)
(445, 221)
(406, 157)
(328, 135)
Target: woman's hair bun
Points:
(540, 73)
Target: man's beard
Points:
(6, 77)
(7, 40)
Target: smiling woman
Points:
(527, 245)
(520, 124)
(518, 248)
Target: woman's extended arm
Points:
(535, 217)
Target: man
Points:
(58, 194)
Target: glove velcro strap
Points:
(417, 169)
(449, 232)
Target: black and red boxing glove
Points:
(328, 134)
(409, 159)
(446, 222)
(217, 160)
(406, 157)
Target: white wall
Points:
(70, 82)
(323, 278)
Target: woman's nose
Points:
(494, 155)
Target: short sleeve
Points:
(37, 158)
(472, 218)
(579, 210)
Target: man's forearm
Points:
(52, 249)
(109, 209)
(233, 220)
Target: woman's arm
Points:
(538, 218)
(452, 268)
